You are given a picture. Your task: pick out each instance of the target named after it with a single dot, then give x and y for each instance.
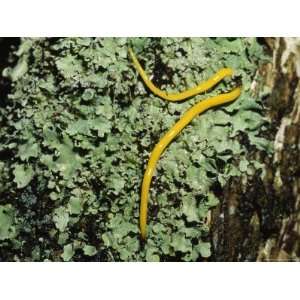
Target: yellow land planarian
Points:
(183, 122)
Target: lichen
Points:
(78, 129)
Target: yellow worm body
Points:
(177, 128)
(201, 87)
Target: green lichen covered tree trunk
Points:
(77, 127)
(262, 221)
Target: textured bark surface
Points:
(262, 221)
(285, 111)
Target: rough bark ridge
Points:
(262, 221)
(285, 111)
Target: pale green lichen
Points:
(79, 127)
(7, 222)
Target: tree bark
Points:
(262, 223)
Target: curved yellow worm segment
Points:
(166, 140)
(202, 87)
(177, 128)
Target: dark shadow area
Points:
(7, 46)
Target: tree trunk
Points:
(262, 223)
